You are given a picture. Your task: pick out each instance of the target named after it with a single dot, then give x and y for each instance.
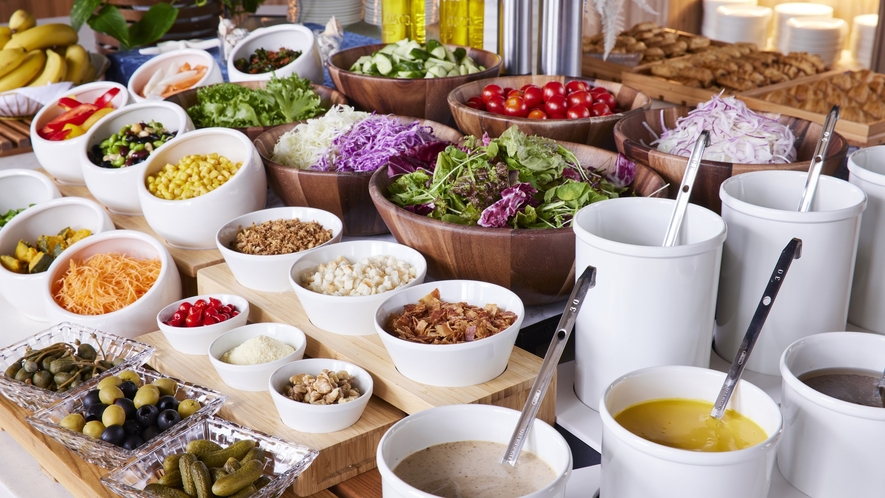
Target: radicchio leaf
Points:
(422, 156)
(513, 199)
(422, 209)
(625, 170)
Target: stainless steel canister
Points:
(515, 36)
(559, 50)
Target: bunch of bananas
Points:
(32, 55)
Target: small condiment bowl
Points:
(20, 188)
(116, 188)
(831, 447)
(349, 315)
(58, 158)
(308, 65)
(254, 377)
(196, 340)
(270, 273)
(668, 472)
(306, 417)
(24, 290)
(193, 223)
(191, 56)
(452, 365)
(138, 318)
(475, 422)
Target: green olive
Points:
(167, 387)
(130, 375)
(74, 422)
(146, 396)
(188, 407)
(110, 381)
(93, 429)
(113, 415)
(42, 379)
(109, 394)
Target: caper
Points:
(31, 366)
(117, 361)
(47, 361)
(22, 375)
(76, 383)
(60, 378)
(42, 379)
(87, 352)
(13, 369)
(106, 364)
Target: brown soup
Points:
(853, 385)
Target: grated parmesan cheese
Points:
(303, 146)
(259, 349)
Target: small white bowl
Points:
(59, 158)
(139, 317)
(192, 56)
(116, 188)
(447, 424)
(254, 377)
(305, 417)
(452, 365)
(24, 291)
(270, 273)
(19, 188)
(193, 223)
(349, 315)
(308, 65)
(196, 340)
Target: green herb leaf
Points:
(110, 21)
(81, 11)
(153, 25)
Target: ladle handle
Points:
(817, 160)
(792, 251)
(685, 188)
(585, 282)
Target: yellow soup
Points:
(686, 424)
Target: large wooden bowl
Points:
(329, 97)
(344, 194)
(536, 264)
(631, 135)
(595, 131)
(422, 98)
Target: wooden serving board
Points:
(510, 389)
(15, 136)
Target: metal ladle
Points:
(691, 172)
(881, 386)
(585, 282)
(817, 160)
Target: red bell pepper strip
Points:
(58, 135)
(68, 103)
(105, 99)
(77, 116)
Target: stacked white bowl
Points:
(799, 10)
(345, 11)
(708, 26)
(824, 38)
(863, 35)
(743, 23)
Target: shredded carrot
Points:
(104, 283)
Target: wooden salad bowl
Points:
(632, 137)
(422, 97)
(595, 131)
(537, 264)
(344, 194)
(329, 97)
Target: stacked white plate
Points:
(744, 23)
(824, 38)
(708, 25)
(799, 10)
(863, 34)
(320, 11)
(372, 13)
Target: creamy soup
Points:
(853, 385)
(473, 469)
(686, 424)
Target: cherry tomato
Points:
(490, 91)
(507, 91)
(600, 109)
(575, 86)
(598, 89)
(580, 98)
(514, 93)
(552, 88)
(194, 320)
(606, 98)
(534, 98)
(525, 87)
(515, 106)
(476, 103)
(184, 307)
(556, 107)
(537, 114)
(577, 112)
(495, 105)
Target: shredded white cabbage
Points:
(737, 134)
(303, 146)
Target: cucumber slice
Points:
(459, 53)
(432, 45)
(383, 63)
(450, 56)
(439, 52)
(417, 53)
(388, 49)
(454, 72)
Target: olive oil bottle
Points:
(461, 22)
(403, 19)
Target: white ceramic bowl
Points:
(452, 365)
(831, 447)
(349, 315)
(270, 273)
(308, 65)
(19, 188)
(445, 424)
(24, 291)
(254, 377)
(196, 340)
(59, 158)
(193, 223)
(667, 472)
(139, 317)
(116, 188)
(305, 417)
(164, 61)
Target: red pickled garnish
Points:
(214, 302)
(185, 307)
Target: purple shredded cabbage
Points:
(513, 199)
(421, 157)
(371, 142)
(625, 170)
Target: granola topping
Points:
(280, 237)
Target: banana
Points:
(53, 71)
(77, 59)
(21, 20)
(90, 73)
(43, 36)
(11, 59)
(5, 35)
(25, 72)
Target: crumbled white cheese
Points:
(259, 349)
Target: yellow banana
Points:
(53, 71)
(25, 72)
(77, 59)
(21, 20)
(5, 35)
(11, 59)
(90, 73)
(43, 37)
